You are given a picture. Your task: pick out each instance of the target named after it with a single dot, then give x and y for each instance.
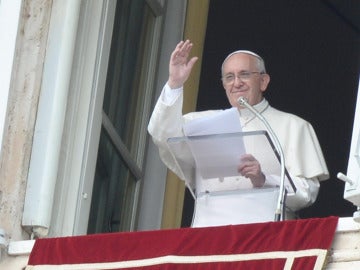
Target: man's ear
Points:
(265, 80)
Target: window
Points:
(126, 107)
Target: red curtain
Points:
(294, 244)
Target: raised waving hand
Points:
(180, 65)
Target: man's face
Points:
(241, 77)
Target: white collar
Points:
(260, 107)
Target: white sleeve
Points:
(306, 193)
(307, 190)
(168, 96)
(167, 121)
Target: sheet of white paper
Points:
(226, 121)
(216, 156)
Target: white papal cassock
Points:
(233, 200)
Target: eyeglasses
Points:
(244, 75)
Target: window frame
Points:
(84, 115)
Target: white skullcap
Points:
(246, 52)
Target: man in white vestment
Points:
(251, 196)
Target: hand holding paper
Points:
(251, 168)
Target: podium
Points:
(208, 164)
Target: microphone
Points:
(281, 199)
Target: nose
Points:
(238, 80)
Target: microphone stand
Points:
(281, 199)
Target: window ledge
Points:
(18, 248)
(347, 224)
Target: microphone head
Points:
(242, 100)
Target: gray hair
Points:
(259, 60)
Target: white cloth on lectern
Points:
(223, 208)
